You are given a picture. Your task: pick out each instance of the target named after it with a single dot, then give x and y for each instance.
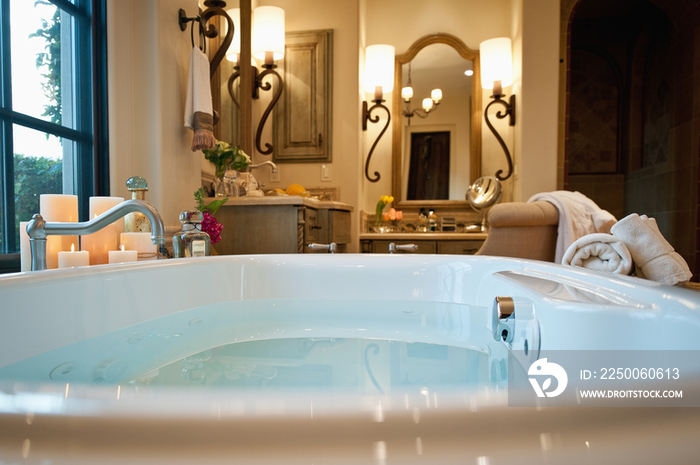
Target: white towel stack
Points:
(578, 216)
(199, 112)
(653, 256)
(601, 252)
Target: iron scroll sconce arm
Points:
(269, 69)
(258, 80)
(509, 111)
(214, 8)
(367, 116)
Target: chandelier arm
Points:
(275, 98)
(367, 117)
(500, 115)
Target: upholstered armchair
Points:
(522, 230)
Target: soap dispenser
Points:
(191, 241)
(135, 221)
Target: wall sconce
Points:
(496, 73)
(214, 8)
(429, 104)
(268, 46)
(379, 78)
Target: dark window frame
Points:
(91, 133)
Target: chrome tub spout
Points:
(38, 229)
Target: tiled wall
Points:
(659, 141)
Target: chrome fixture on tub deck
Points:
(38, 229)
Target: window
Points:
(53, 129)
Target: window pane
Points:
(39, 51)
(38, 170)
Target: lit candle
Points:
(73, 258)
(58, 208)
(123, 256)
(141, 242)
(25, 252)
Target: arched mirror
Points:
(435, 157)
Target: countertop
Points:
(426, 236)
(284, 200)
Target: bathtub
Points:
(329, 359)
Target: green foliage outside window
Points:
(34, 176)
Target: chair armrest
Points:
(540, 213)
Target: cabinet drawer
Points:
(423, 246)
(459, 247)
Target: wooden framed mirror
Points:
(436, 61)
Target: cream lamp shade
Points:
(407, 93)
(436, 95)
(379, 68)
(268, 32)
(427, 104)
(496, 62)
(235, 48)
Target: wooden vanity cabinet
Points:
(428, 243)
(263, 227)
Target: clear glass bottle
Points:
(191, 241)
(432, 221)
(422, 221)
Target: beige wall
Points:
(148, 57)
(147, 67)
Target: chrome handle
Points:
(332, 247)
(405, 247)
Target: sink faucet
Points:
(274, 167)
(38, 229)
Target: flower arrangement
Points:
(392, 215)
(225, 156)
(210, 225)
(384, 200)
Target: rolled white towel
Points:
(601, 252)
(654, 257)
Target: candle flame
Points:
(122, 247)
(72, 247)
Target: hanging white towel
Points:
(578, 216)
(601, 252)
(199, 113)
(653, 256)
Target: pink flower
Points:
(212, 227)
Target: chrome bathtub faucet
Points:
(38, 229)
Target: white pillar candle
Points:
(141, 242)
(107, 238)
(73, 258)
(123, 256)
(100, 243)
(99, 205)
(60, 208)
(25, 252)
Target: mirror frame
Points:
(397, 128)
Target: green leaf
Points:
(214, 206)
